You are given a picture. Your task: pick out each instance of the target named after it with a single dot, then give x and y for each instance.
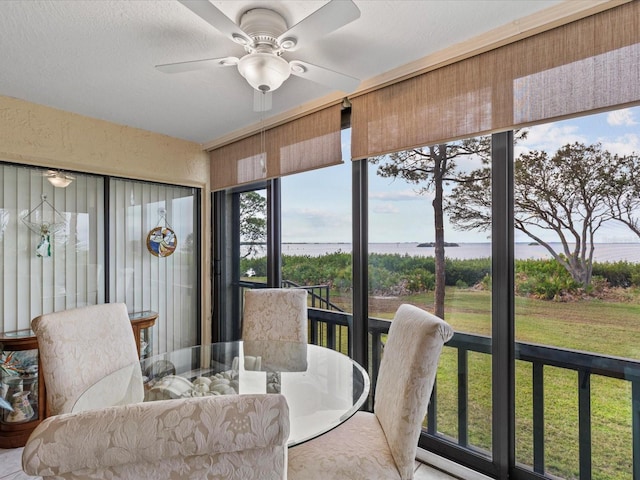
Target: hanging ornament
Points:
(162, 240)
(44, 220)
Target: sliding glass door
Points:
(63, 246)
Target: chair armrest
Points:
(153, 431)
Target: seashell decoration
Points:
(202, 381)
(173, 386)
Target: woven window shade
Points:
(309, 142)
(588, 65)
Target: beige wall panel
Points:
(39, 135)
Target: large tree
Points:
(431, 168)
(253, 222)
(624, 201)
(565, 194)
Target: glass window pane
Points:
(316, 245)
(429, 246)
(253, 236)
(577, 207)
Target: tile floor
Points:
(426, 472)
(10, 468)
(11, 465)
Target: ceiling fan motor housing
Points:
(264, 26)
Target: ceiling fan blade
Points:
(324, 76)
(194, 65)
(262, 101)
(218, 20)
(326, 19)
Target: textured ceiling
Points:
(97, 57)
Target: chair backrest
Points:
(275, 314)
(230, 437)
(80, 346)
(405, 380)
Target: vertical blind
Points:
(588, 65)
(73, 275)
(147, 282)
(310, 142)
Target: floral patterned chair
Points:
(271, 317)
(230, 437)
(383, 444)
(82, 345)
(275, 314)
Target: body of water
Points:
(604, 252)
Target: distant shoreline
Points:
(433, 243)
(604, 252)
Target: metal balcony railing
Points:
(331, 329)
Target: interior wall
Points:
(37, 135)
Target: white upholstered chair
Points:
(275, 314)
(78, 347)
(383, 444)
(226, 437)
(270, 316)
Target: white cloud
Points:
(622, 117)
(550, 137)
(399, 196)
(385, 209)
(315, 225)
(625, 145)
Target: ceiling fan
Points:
(265, 36)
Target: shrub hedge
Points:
(395, 274)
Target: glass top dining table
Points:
(323, 387)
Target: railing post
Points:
(635, 412)
(432, 412)
(463, 397)
(376, 357)
(331, 336)
(584, 423)
(313, 332)
(538, 417)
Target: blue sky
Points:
(317, 204)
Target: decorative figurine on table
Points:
(44, 220)
(22, 409)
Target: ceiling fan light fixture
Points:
(59, 180)
(264, 71)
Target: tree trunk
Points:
(439, 158)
